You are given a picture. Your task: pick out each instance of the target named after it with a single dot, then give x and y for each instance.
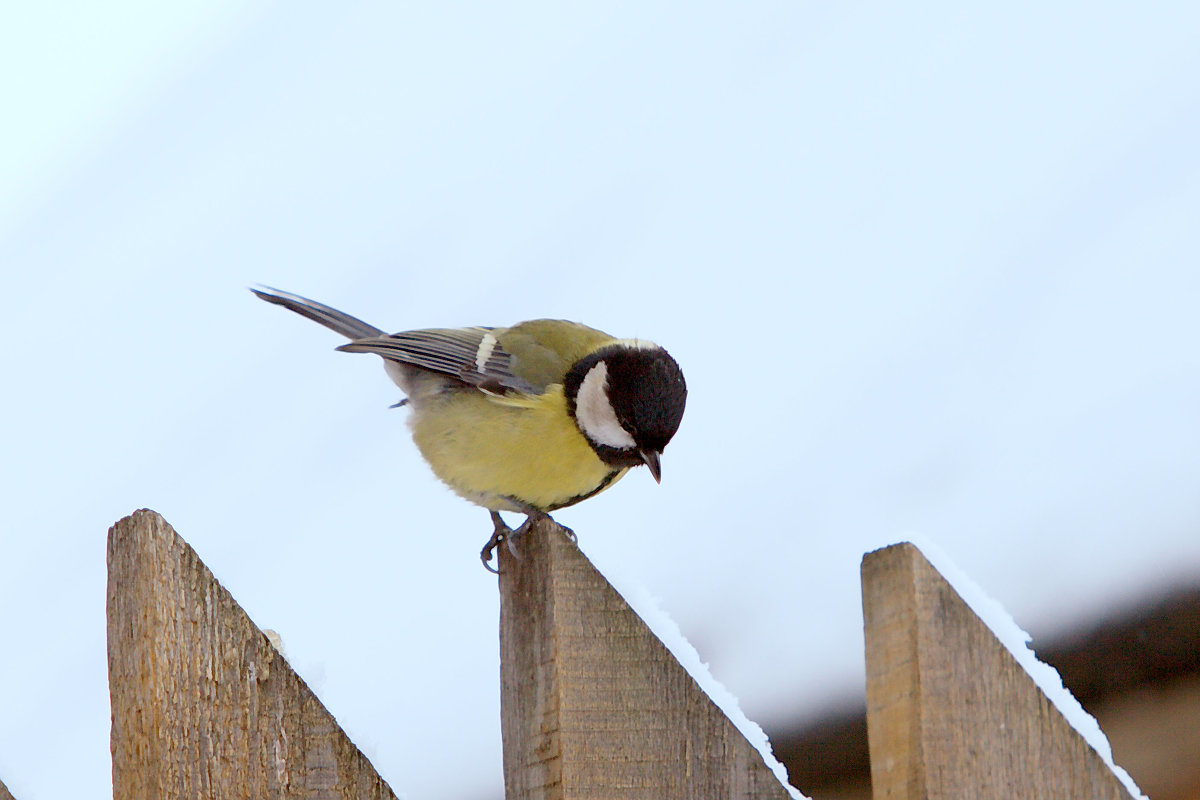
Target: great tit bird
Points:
(529, 419)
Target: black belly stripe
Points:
(600, 487)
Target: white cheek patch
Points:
(486, 345)
(595, 414)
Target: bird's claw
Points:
(521, 530)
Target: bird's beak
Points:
(651, 459)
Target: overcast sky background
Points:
(929, 270)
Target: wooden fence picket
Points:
(950, 712)
(593, 705)
(203, 706)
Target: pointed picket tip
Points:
(593, 705)
(202, 704)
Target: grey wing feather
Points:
(450, 351)
(346, 325)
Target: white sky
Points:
(928, 270)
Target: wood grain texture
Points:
(594, 707)
(950, 712)
(202, 704)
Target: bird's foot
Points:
(499, 534)
(504, 534)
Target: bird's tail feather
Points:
(346, 325)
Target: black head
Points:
(627, 400)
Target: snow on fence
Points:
(593, 704)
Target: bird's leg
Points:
(501, 532)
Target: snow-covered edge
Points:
(660, 623)
(1016, 640)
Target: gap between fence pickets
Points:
(660, 623)
(1014, 638)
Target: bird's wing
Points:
(471, 355)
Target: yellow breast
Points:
(489, 449)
